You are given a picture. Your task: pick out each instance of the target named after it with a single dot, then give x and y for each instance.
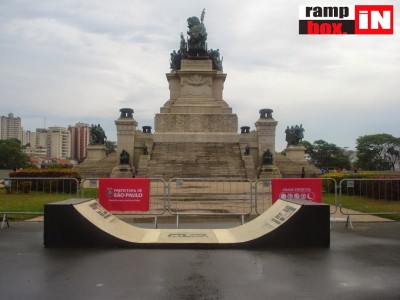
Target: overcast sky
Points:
(63, 62)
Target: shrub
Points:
(60, 183)
(380, 188)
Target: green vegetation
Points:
(27, 191)
(27, 202)
(377, 152)
(89, 193)
(35, 201)
(367, 205)
(338, 176)
(325, 155)
(29, 180)
(11, 155)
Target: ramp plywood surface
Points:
(86, 223)
(268, 221)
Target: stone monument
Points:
(96, 149)
(195, 131)
(196, 110)
(295, 150)
(126, 126)
(98, 162)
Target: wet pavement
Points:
(363, 263)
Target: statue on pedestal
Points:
(197, 36)
(294, 135)
(97, 135)
(267, 158)
(247, 150)
(124, 157)
(195, 47)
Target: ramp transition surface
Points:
(83, 223)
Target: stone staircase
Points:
(292, 169)
(194, 160)
(97, 169)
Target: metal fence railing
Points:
(27, 196)
(379, 197)
(263, 194)
(157, 205)
(200, 196)
(330, 194)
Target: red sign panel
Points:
(374, 19)
(124, 194)
(297, 189)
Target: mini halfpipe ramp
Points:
(84, 223)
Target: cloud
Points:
(72, 61)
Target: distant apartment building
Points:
(80, 138)
(41, 138)
(10, 127)
(58, 142)
(29, 138)
(39, 152)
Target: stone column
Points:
(266, 128)
(126, 127)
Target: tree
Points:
(392, 155)
(324, 155)
(377, 152)
(110, 146)
(11, 155)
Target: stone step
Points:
(196, 160)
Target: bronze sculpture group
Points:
(294, 135)
(97, 135)
(195, 47)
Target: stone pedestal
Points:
(266, 128)
(269, 171)
(122, 171)
(196, 104)
(96, 152)
(296, 153)
(126, 127)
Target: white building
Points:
(58, 142)
(10, 127)
(41, 138)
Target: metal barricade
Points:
(330, 194)
(210, 196)
(157, 205)
(380, 197)
(28, 195)
(204, 196)
(262, 195)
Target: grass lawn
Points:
(29, 202)
(35, 201)
(367, 205)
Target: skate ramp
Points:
(84, 223)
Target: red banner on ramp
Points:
(297, 189)
(124, 194)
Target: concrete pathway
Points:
(363, 263)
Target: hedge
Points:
(377, 189)
(46, 185)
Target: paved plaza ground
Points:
(363, 263)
